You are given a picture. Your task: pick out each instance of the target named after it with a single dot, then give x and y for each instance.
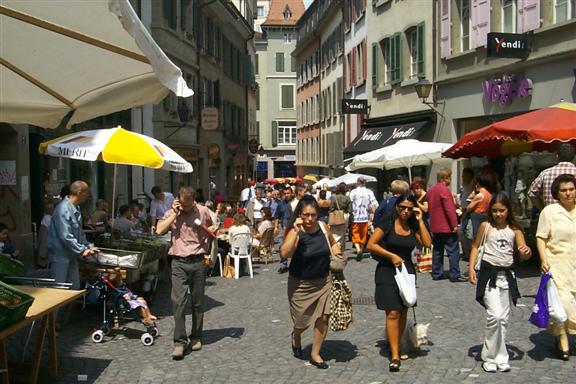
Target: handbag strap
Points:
(485, 235)
(414, 314)
(337, 204)
(321, 224)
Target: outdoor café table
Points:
(46, 302)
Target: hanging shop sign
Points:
(209, 118)
(505, 89)
(253, 146)
(507, 45)
(354, 106)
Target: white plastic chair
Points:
(240, 248)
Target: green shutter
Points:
(420, 36)
(256, 64)
(397, 58)
(375, 52)
(274, 133)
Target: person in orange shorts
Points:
(363, 204)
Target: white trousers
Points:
(497, 302)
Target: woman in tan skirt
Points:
(309, 280)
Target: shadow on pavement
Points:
(514, 353)
(339, 350)
(211, 336)
(541, 350)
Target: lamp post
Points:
(423, 89)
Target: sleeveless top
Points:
(311, 260)
(482, 206)
(499, 246)
(399, 245)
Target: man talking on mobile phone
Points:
(190, 241)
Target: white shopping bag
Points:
(407, 285)
(555, 307)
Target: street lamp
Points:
(423, 88)
(183, 115)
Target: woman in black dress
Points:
(391, 245)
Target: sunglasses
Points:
(308, 215)
(404, 208)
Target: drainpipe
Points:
(319, 96)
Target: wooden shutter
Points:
(354, 65)
(480, 22)
(375, 52)
(445, 24)
(528, 17)
(274, 133)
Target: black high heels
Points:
(319, 365)
(296, 351)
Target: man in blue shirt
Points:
(281, 218)
(66, 239)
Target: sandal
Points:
(394, 365)
(564, 355)
(404, 356)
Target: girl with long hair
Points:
(496, 283)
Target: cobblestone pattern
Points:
(247, 339)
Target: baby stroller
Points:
(114, 308)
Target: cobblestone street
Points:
(247, 339)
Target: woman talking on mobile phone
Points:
(391, 245)
(309, 281)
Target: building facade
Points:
(276, 79)
(480, 85)
(319, 58)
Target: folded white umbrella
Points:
(350, 179)
(83, 58)
(404, 153)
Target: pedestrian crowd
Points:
(478, 225)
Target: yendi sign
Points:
(507, 45)
(354, 107)
(506, 88)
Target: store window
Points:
(261, 12)
(465, 24)
(509, 16)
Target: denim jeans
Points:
(65, 270)
(448, 241)
(188, 273)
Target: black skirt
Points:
(387, 294)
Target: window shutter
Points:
(354, 65)
(364, 57)
(480, 22)
(445, 25)
(420, 36)
(274, 133)
(528, 17)
(396, 58)
(374, 65)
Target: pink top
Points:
(188, 239)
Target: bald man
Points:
(66, 240)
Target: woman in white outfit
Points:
(496, 280)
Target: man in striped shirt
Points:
(539, 192)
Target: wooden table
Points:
(46, 302)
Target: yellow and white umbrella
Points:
(116, 146)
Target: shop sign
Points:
(354, 107)
(506, 88)
(209, 117)
(289, 157)
(507, 45)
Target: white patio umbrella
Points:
(321, 182)
(404, 153)
(350, 179)
(80, 58)
(116, 146)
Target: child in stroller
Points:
(118, 300)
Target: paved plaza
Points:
(247, 339)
